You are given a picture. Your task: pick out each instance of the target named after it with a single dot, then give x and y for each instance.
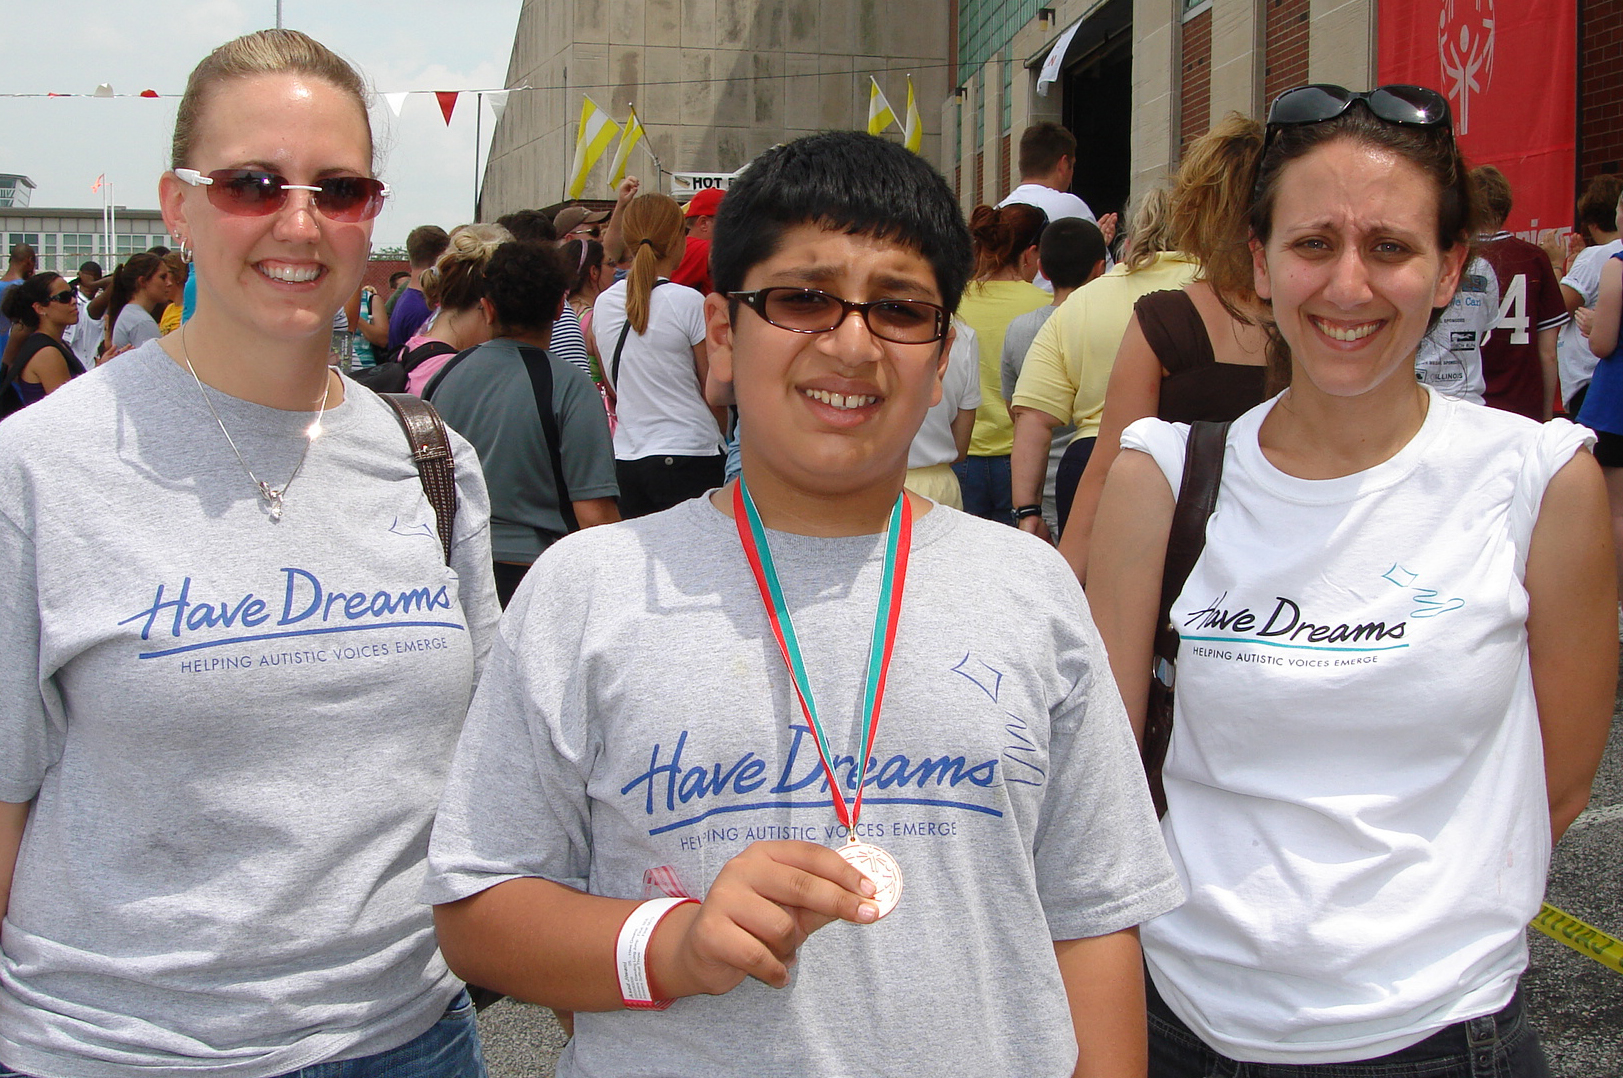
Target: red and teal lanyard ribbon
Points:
(898, 542)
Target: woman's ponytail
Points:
(652, 228)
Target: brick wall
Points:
(1284, 47)
(1195, 90)
(978, 195)
(1004, 185)
(1600, 87)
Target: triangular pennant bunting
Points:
(396, 101)
(498, 103)
(447, 100)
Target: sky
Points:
(64, 144)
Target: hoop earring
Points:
(186, 251)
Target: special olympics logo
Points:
(1465, 46)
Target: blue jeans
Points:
(985, 484)
(450, 1049)
(1499, 1045)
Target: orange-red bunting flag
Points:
(447, 100)
(149, 93)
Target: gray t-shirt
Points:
(1016, 343)
(134, 326)
(489, 400)
(636, 714)
(235, 731)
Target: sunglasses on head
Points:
(1410, 106)
(252, 192)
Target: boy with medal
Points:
(712, 744)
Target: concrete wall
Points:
(715, 82)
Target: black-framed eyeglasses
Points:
(65, 296)
(810, 310)
(254, 192)
(1400, 103)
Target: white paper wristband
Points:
(631, 952)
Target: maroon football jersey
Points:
(1529, 301)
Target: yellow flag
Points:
(628, 142)
(913, 130)
(880, 115)
(596, 132)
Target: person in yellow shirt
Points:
(178, 271)
(1068, 364)
(1005, 262)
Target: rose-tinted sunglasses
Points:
(252, 192)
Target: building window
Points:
(1008, 95)
(79, 244)
(985, 28)
(30, 238)
(980, 111)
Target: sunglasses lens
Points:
(350, 198)
(249, 192)
(1409, 105)
(1309, 104)
(246, 192)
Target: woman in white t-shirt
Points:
(1396, 669)
(650, 338)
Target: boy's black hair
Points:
(525, 282)
(529, 226)
(847, 181)
(1069, 250)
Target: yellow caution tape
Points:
(1584, 939)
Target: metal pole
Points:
(478, 131)
(278, 14)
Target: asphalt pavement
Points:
(1575, 1003)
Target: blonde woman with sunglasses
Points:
(223, 748)
(1396, 666)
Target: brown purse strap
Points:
(1197, 497)
(431, 452)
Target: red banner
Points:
(1511, 77)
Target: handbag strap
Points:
(431, 452)
(540, 368)
(1197, 497)
(625, 329)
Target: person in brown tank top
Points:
(1186, 355)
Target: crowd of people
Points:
(639, 673)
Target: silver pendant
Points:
(273, 498)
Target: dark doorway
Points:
(1098, 106)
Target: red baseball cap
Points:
(704, 203)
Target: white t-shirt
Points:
(1450, 356)
(1355, 784)
(660, 403)
(85, 336)
(960, 388)
(1057, 204)
(1575, 361)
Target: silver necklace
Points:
(271, 495)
